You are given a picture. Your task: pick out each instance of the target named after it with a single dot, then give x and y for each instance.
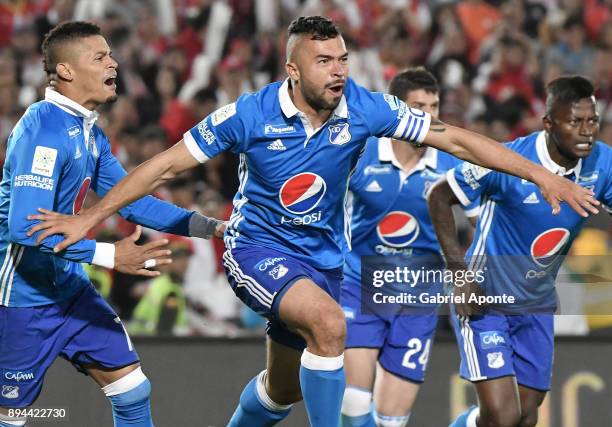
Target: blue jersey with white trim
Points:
(55, 154)
(294, 178)
(519, 245)
(389, 207)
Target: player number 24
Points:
(414, 346)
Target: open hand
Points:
(73, 227)
(557, 189)
(131, 258)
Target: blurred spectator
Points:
(478, 19)
(572, 51)
(161, 309)
(212, 307)
(179, 117)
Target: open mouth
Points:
(110, 82)
(336, 89)
(584, 146)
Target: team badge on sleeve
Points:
(44, 161)
(223, 113)
(473, 173)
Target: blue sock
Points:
(322, 383)
(129, 397)
(466, 419)
(256, 409)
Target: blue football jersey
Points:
(55, 154)
(519, 245)
(294, 178)
(389, 207)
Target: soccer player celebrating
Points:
(48, 307)
(390, 217)
(506, 350)
(298, 140)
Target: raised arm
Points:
(480, 150)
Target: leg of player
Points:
(268, 397)
(128, 390)
(531, 399)
(311, 312)
(499, 405)
(10, 421)
(360, 367)
(393, 399)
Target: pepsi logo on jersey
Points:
(397, 230)
(299, 195)
(545, 249)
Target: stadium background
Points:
(181, 59)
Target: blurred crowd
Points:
(181, 59)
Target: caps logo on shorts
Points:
(302, 193)
(546, 247)
(398, 229)
(490, 339)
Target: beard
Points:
(318, 102)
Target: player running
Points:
(384, 352)
(48, 306)
(298, 140)
(507, 351)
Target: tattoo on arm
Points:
(437, 126)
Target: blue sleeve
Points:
(227, 128)
(36, 160)
(607, 191)
(388, 116)
(149, 211)
(472, 209)
(471, 182)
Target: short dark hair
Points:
(317, 27)
(63, 33)
(567, 90)
(413, 79)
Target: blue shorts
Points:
(83, 329)
(404, 340)
(261, 276)
(494, 346)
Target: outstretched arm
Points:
(480, 150)
(142, 181)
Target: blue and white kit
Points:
(293, 181)
(519, 247)
(48, 307)
(390, 220)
